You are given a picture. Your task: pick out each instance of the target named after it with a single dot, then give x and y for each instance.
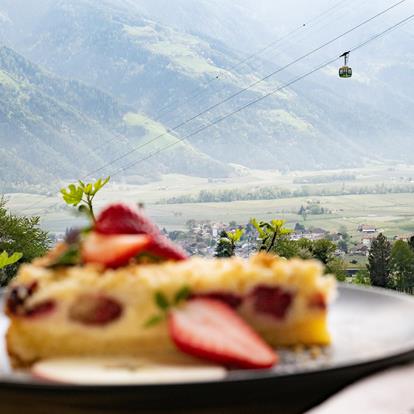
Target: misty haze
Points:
(212, 113)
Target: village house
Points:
(367, 239)
(367, 228)
(404, 237)
(360, 250)
(312, 234)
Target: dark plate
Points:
(372, 329)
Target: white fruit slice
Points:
(96, 371)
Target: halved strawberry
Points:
(112, 251)
(165, 249)
(210, 329)
(124, 219)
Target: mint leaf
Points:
(182, 294)
(161, 301)
(69, 257)
(154, 320)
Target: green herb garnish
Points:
(164, 305)
(81, 195)
(182, 295)
(70, 257)
(154, 320)
(161, 301)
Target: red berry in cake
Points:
(41, 309)
(231, 299)
(211, 330)
(113, 251)
(16, 303)
(271, 300)
(124, 219)
(95, 310)
(17, 297)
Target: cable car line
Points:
(185, 122)
(251, 103)
(201, 90)
(393, 27)
(169, 130)
(252, 55)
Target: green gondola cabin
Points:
(345, 71)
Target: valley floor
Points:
(392, 212)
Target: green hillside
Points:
(55, 128)
(136, 63)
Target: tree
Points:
(323, 250)
(304, 248)
(411, 242)
(402, 266)
(344, 233)
(343, 245)
(226, 245)
(288, 248)
(223, 247)
(299, 227)
(346, 238)
(302, 212)
(379, 259)
(362, 277)
(20, 234)
(190, 224)
(337, 267)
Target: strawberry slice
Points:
(113, 251)
(210, 329)
(163, 248)
(124, 219)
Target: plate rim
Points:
(237, 376)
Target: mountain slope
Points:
(149, 66)
(51, 127)
(45, 122)
(127, 49)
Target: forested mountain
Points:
(115, 73)
(52, 127)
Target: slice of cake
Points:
(108, 294)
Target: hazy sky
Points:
(250, 24)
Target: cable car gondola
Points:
(345, 71)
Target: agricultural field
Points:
(393, 212)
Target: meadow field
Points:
(392, 212)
